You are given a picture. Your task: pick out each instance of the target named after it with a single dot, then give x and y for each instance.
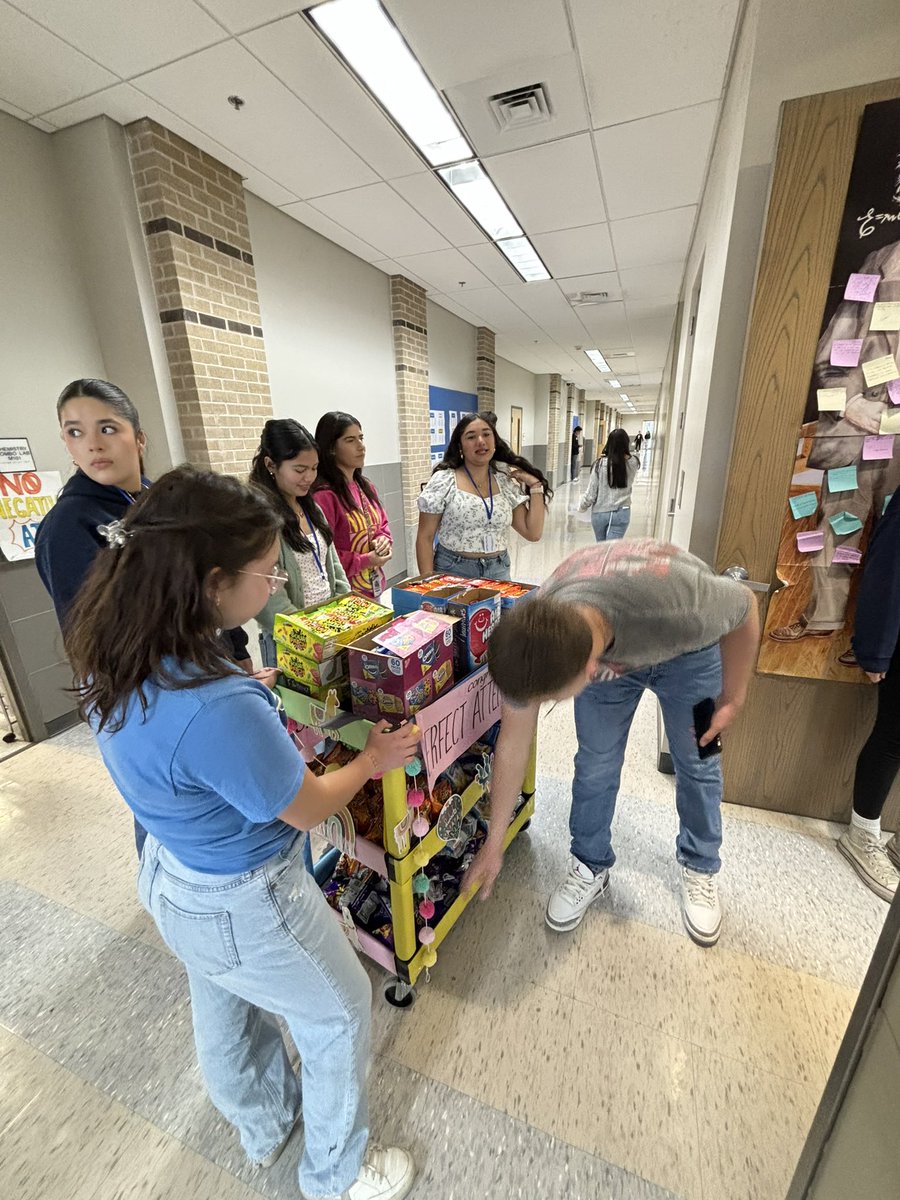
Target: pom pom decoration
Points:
(420, 857)
(426, 909)
(429, 957)
(426, 935)
(413, 768)
(421, 885)
(415, 797)
(420, 826)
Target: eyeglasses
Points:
(277, 579)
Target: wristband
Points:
(372, 759)
(538, 487)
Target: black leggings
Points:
(879, 759)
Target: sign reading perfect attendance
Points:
(25, 499)
(453, 723)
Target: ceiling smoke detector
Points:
(583, 299)
(521, 107)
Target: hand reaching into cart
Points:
(484, 870)
(389, 750)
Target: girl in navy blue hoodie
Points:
(875, 641)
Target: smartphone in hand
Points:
(703, 715)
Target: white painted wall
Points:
(451, 350)
(514, 385)
(327, 324)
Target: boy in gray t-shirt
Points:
(613, 620)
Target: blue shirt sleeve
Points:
(237, 747)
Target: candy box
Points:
(512, 593)
(398, 679)
(307, 670)
(478, 610)
(340, 686)
(320, 631)
(409, 595)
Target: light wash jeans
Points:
(490, 566)
(603, 716)
(259, 943)
(611, 525)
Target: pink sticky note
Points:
(894, 391)
(879, 446)
(809, 542)
(846, 554)
(862, 287)
(846, 353)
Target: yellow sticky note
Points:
(831, 399)
(890, 421)
(885, 315)
(880, 370)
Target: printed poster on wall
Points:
(848, 455)
(25, 499)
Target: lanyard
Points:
(489, 511)
(316, 550)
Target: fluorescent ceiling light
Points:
(598, 360)
(369, 42)
(614, 383)
(524, 258)
(475, 191)
(623, 396)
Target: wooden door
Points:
(515, 429)
(795, 746)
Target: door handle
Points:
(742, 576)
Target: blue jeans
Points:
(610, 526)
(603, 716)
(489, 566)
(267, 652)
(265, 942)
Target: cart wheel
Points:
(525, 826)
(399, 994)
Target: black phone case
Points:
(703, 715)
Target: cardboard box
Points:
(511, 593)
(393, 684)
(408, 595)
(340, 686)
(319, 632)
(307, 670)
(478, 610)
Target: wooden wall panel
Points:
(795, 747)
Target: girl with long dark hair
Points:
(608, 494)
(350, 503)
(285, 468)
(470, 504)
(197, 750)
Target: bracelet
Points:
(538, 487)
(372, 759)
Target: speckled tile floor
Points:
(619, 1062)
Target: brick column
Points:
(485, 368)
(579, 405)
(408, 316)
(553, 428)
(198, 242)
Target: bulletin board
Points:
(445, 408)
(847, 462)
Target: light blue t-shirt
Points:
(207, 770)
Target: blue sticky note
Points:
(842, 479)
(844, 522)
(804, 505)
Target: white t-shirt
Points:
(314, 581)
(464, 517)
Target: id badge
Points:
(488, 543)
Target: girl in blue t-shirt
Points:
(199, 753)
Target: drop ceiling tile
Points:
(428, 196)
(576, 251)
(128, 43)
(499, 312)
(14, 110)
(647, 58)
(274, 131)
(488, 259)
(656, 163)
(449, 303)
(554, 186)
(546, 305)
(562, 80)
(605, 281)
(444, 271)
(293, 51)
(44, 126)
(313, 219)
(661, 282)
(383, 219)
(607, 325)
(469, 39)
(651, 310)
(39, 70)
(238, 16)
(656, 238)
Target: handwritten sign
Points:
(846, 351)
(459, 718)
(804, 505)
(878, 446)
(25, 499)
(880, 370)
(862, 287)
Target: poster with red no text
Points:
(25, 499)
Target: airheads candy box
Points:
(478, 610)
(319, 632)
(412, 593)
(411, 669)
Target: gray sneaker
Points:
(892, 850)
(870, 861)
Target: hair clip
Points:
(115, 533)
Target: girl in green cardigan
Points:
(285, 467)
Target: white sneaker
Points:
(868, 858)
(387, 1173)
(892, 850)
(574, 896)
(700, 907)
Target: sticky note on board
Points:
(844, 523)
(847, 554)
(893, 390)
(862, 287)
(831, 399)
(808, 543)
(885, 316)
(880, 370)
(804, 505)
(842, 479)
(887, 501)
(890, 421)
(878, 446)
(846, 351)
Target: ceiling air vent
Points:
(581, 299)
(521, 107)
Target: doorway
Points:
(515, 429)
(676, 473)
